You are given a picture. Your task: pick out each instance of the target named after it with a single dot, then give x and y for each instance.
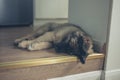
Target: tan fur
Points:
(51, 32)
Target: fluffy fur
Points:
(67, 38)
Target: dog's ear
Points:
(83, 48)
(82, 58)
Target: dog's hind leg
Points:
(40, 31)
(27, 37)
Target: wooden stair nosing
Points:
(44, 61)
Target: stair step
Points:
(17, 64)
(47, 68)
(45, 61)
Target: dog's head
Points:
(78, 44)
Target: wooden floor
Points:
(8, 52)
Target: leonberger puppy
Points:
(65, 38)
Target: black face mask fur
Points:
(73, 44)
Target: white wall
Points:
(51, 9)
(113, 54)
(92, 15)
(113, 57)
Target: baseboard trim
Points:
(51, 19)
(112, 74)
(94, 75)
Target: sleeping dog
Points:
(67, 38)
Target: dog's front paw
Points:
(38, 46)
(24, 44)
(17, 41)
(30, 47)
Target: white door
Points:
(51, 9)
